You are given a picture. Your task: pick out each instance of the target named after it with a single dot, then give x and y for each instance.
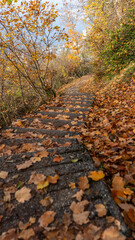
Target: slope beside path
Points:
(45, 187)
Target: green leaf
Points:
(74, 160)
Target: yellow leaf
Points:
(42, 184)
(96, 175)
(127, 191)
(72, 185)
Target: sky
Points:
(80, 25)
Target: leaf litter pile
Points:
(110, 139)
(49, 186)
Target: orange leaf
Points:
(46, 219)
(83, 183)
(72, 185)
(57, 159)
(43, 154)
(52, 179)
(96, 175)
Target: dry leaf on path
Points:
(112, 233)
(46, 201)
(46, 218)
(78, 207)
(96, 175)
(93, 232)
(53, 179)
(35, 159)
(72, 185)
(42, 184)
(43, 154)
(3, 174)
(78, 195)
(36, 178)
(83, 183)
(25, 165)
(129, 218)
(101, 210)
(58, 159)
(81, 218)
(23, 195)
(26, 234)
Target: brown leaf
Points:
(92, 232)
(67, 144)
(46, 201)
(35, 159)
(43, 154)
(118, 183)
(101, 210)
(78, 195)
(46, 218)
(3, 174)
(2, 146)
(36, 178)
(57, 159)
(53, 179)
(83, 183)
(129, 218)
(25, 165)
(78, 207)
(112, 233)
(9, 235)
(7, 193)
(23, 195)
(81, 218)
(47, 142)
(26, 234)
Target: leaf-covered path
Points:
(46, 189)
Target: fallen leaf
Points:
(9, 235)
(72, 185)
(67, 144)
(81, 218)
(47, 142)
(35, 159)
(46, 218)
(19, 124)
(25, 165)
(57, 159)
(129, 217)
(42, 184)
(36, 178)
(78, 195)
(118, 183)
(46, 201)
(23, 195)
(93, 232)
(74, 160)
(26, 234)
(78, 207)
(43, 154)
(112, 233)
(2, 146)
(53, 179)
(128, 191)
(83, 183)
(96, 175)
(3, 174)
(101, 210)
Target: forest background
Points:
(38, 54)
